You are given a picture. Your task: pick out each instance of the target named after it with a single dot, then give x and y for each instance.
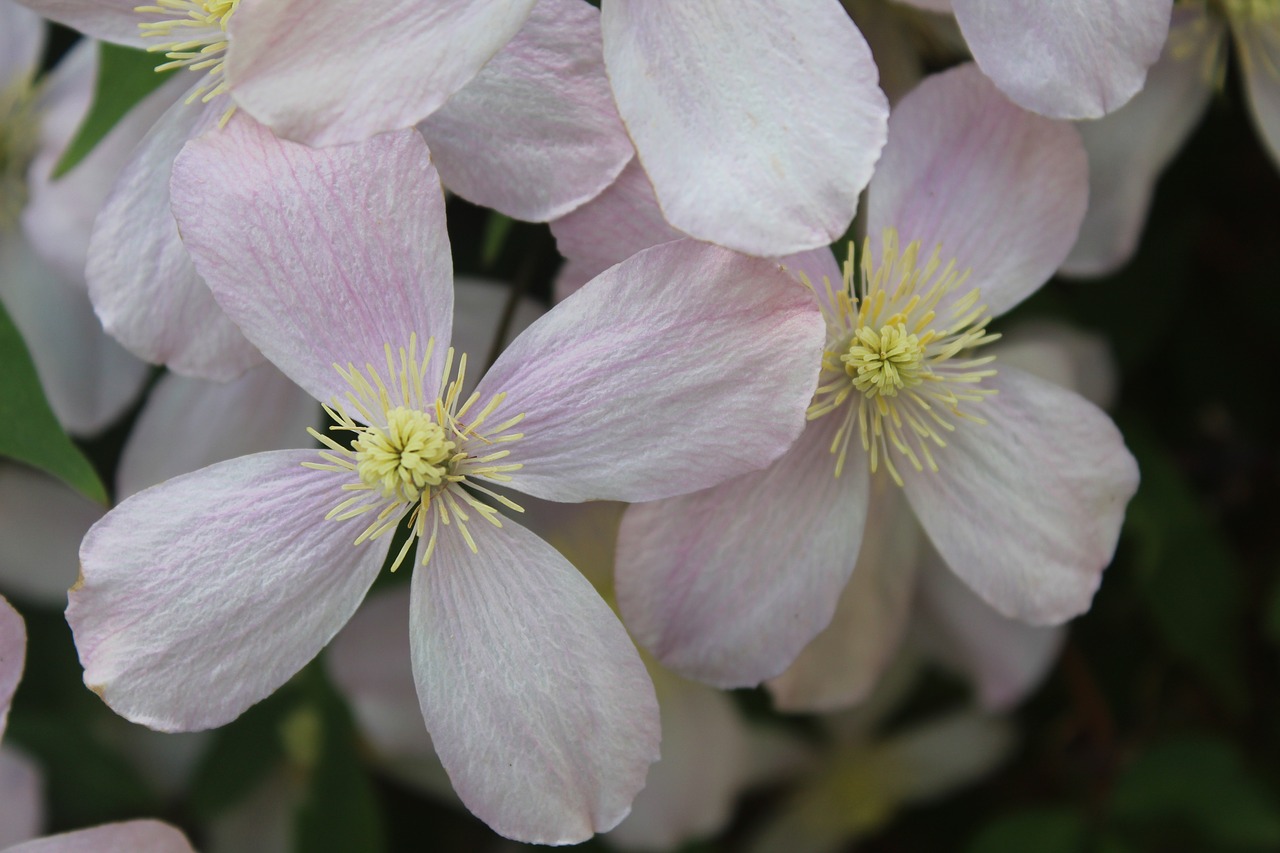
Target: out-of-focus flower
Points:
(613, 393)
(1070, 59)
(1020, 485)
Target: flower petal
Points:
(202, 595)
(140, 277)
(999, 189)
(842, 665)
(1259, 50)
(42, 521)
(13, 652)
(135, 836)
(653, 364)
(1069, 58)
(187, 424)
(1027, 508)
(1004, 658)
(535, 134)
(21, 798)
(728, 585)
(109, 20)
(22, 35)
(345, 70)
(758, 125)
(1131, 147)
(537, 701)
(322, 257)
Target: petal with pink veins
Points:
(679, 368)
(1068, 59)
(759, 123)
(1000, 190)
(135, 836)
(537, 701)
(1027, 508)
(202, 595)
(141, 279)
(42, 521)
(322, 256)
(535, 134)
(345, 70)
(728, 585)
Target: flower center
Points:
(897, 357)
(411, 455)
(192, 34)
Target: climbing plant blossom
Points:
(203, 594)
(1020, 485)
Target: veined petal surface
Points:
(759, 123)
(202, 595)
(537, 701)
(321, 256)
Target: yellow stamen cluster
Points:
(896, 360)
(411, 454)
(194, 34)
(18, 142)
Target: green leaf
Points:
(31, 433)
(1200, 782)
(1044, 830)
(125, 77)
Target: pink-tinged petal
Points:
(201, 596)
(322, 257)
(87, 377)
(1062, 354)
(22, 37)
(612, 227)
(42, 521)
(842, 665)
(654, 364)
(1000, 190)
(60, 214)
(1026, 509)
(728, 585)
(1131, 147)
(539, 706)
(141, 280)
(136, 836)
(109, 20)
(1066, 59)
(691, 790)
(1259, 48)
(13, 652)
(535, 134)
(21, 798)
(1004, 658)
(187, 424)
(759, 125)
(346, 70)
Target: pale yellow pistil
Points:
(192, 34)
(897, 361)
(413, 455)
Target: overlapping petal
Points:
(681, 367)
(1027, 507)
(202, 595)
(42, 521)
(535, 134)
(141, 280)
(321, 256)
(345, 70)
(137, 836)
(759, 124)
(539, 706)
(1067, 59)
(729, 584)
(999, 189)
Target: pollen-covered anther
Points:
(897, 362)
(192, 34)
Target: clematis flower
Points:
(1071, 59)
(1021, 486)
(202, 595)
(88, 378)
(533, 134)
